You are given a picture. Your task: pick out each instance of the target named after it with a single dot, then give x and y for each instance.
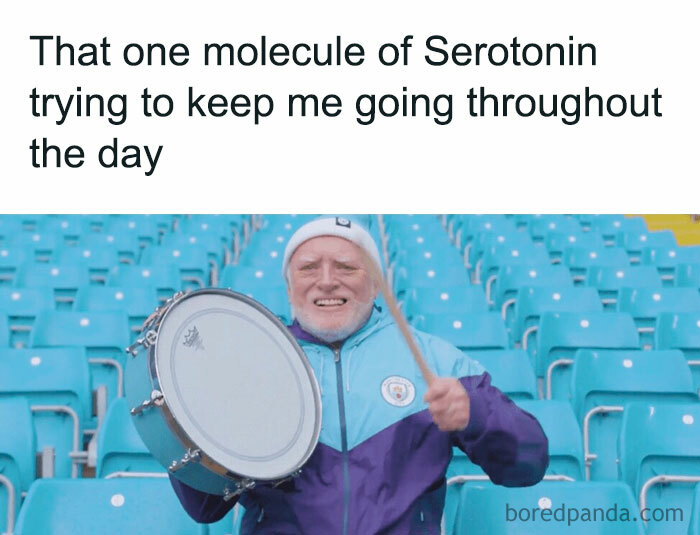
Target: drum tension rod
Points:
(241, 486)
(147, 341)
(156, 400)
(190, 456)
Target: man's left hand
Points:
(448, 402)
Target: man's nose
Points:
(328, 280)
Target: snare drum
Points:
(223, 396)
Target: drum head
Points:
(237, 384)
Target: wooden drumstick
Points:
(376, 274)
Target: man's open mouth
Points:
(330, 302)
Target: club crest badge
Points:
(398, 391)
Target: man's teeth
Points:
(329, 302)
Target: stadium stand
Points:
(554, 306)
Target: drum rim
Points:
(176, 428)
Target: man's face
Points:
(330, 290)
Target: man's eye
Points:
(307, 267)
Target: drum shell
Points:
(153, 426)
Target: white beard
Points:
(333, 335)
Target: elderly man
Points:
(387, 436)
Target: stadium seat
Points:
(645, 304)
(137, 302)
(41, 247)
(666, 259)
(197, 270)
(104, 335)
(500, 255)
(562, 334)
(146, 229)
(215, 246)
(659, 452)
(580, 259)
(694, 528)
(70, 227)
(688, 276)
(227, 227)
(576, 508)
(63, 279)
(119, 446)
(604, 381)
(51, 378)
(466, 331)
(609, 225)
(635, 242)
(557, 242)
(4, 331)
(467, 226)
(609, 280)
(512, 278)
(531, 303)
(165, 278)
(485, 239)
(681, 331)
(97, 260)
(541, 224)
(510, 371)
(444, 300)
(22, 306)
(430, 278)
(17, 460)
(106, 506)
(11, 259)
(127, 246)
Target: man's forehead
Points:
(326, 246)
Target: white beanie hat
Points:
(331, 226)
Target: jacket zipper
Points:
(343, 438)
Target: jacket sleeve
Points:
(201, 506)
(506, 441)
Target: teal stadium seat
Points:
(610, 280)
(127, 246)
(667, 259)
(4, 330)
(463, 228)
(17, 461)
(688, 276)
(580, 259)
(681, 331)
(137, 302)
(22, 306)
(659, 451)
(576, 508)
(197, 270)
(165, 278)
(51, 378)
(42, 247)
(562, 334)
(636, 241)
(97, 260)
(510, 371)
(227, 227)
(542, 224)
(104, 335)
(531, 303)
(645, 304)
(512, 278)
(63, 279)
(265, 286)
(557, 242)
(458, 299)
(483, 239)
(11, 259)
(217, 249)
(466, 331)
(104, 506)
(70, 227)
(146, 229)
(500, 255)
(694, 528)
(433, 277)
(609, 225)
(119, 446)
(604, 381)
